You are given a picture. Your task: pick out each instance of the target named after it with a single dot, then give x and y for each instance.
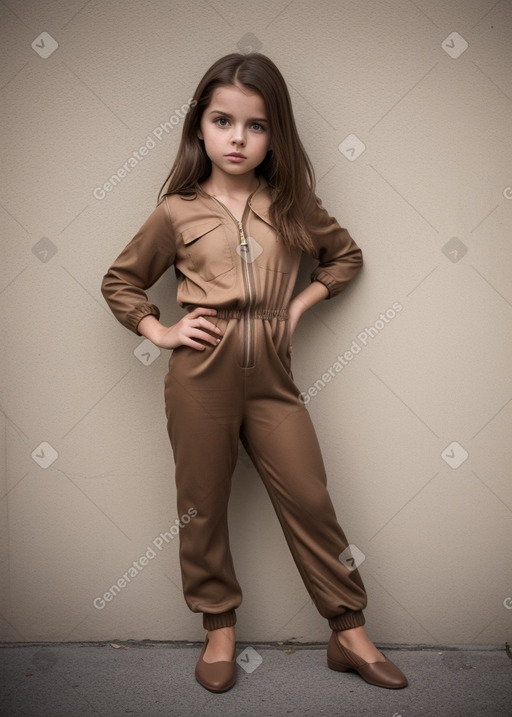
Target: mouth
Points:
(236, 155)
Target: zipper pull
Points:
(243, 240)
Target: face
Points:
(235, 131)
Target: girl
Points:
(238, 210)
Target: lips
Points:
(236, 155)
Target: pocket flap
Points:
(198, 230)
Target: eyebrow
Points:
(226, 114)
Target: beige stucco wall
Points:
(433, 181)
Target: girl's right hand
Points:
(191, 327)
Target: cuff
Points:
(326, 279)
(138, 313)
(215, 621)
(349, 619)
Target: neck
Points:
(235, 186)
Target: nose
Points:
(238, 136)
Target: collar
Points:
(259, 201)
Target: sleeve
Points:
(151, 251)
(339, 256)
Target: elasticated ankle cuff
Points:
(347, 620)
(221, 619)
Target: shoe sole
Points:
(332, 665)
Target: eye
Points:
(258, 127)
(221, 121)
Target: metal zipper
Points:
(248, 359)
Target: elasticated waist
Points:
(279, 314)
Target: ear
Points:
(200, 134)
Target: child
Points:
(238, 210)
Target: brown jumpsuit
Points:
(241, 388)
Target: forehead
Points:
(237, 101)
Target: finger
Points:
(204, 336)
(193, 344)
(201, 311)
(205, 324)
(212, 327)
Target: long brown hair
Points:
(286, 167)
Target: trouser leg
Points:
(279, 436)
(203, 427)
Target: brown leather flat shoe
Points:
(216, 676)
(381, 674)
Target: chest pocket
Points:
(207, 248)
